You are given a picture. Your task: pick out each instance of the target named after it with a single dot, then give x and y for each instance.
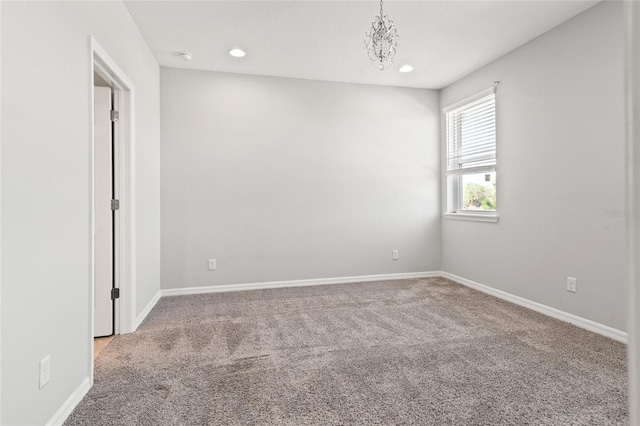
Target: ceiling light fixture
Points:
(185, 56)
(381, 41)
(237, 53)
(405, 68)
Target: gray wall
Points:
(561, 158)
(46, 184)
(284, 179)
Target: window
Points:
(471, 158)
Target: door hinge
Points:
(115, 115)
(115, 293)
(115, 204)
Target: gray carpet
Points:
(406, 352)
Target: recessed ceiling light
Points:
(406, 68)
(237, 53)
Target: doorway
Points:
(112, 297)
(105, 210)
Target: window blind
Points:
(471, 136)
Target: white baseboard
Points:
(147, 309)
(593, 326)
(74, 399)
(297, 283)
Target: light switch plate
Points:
(45, 370)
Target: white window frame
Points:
(452, 180)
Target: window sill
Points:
(472, 217)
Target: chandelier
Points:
(381, 41)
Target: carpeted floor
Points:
(406, 352)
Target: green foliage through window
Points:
(479, 197)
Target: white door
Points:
(103, 193)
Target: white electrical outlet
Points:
(572, 284)
(394, 255)
(45, 370)
(212, 264)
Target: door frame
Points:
(124, 179)
(632, 78)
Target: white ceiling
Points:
(323, 40)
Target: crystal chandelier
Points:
(381, 41)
